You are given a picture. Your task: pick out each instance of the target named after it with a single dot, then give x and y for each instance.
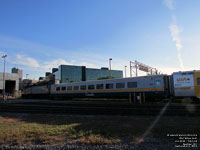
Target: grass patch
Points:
(61, 129)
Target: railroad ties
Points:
(99, 108)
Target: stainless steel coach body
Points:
(152, 86)
(186, 84)
(179, 84)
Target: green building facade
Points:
(69, 73)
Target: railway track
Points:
(84, 108)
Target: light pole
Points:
(110, 66)
(125, 71)
(27, 76)
(136, 68)
(4, 57)
(130, 69)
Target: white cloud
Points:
(175, 31)
(37, 67)
(170, 4)
(117, 64)
(88, 65)
(54, 64)
(167, 70)
(1, 53)
(25, 61)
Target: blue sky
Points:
(39, 35)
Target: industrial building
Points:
(27, 82)
(69, 73)
(18, 71)
(11, 82)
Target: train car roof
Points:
(181, 72)
(113, 79)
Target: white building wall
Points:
(10, 76)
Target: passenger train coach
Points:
(153, 86)
(179, 84)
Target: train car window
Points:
(76, 88)
(109, 86)
(158, 83)
(64, 88)
(132, 84)
(83, 87)
(99, 86)
(198, 81)
(120, 85)
(69, 88)
(90, 87)
(57, 88)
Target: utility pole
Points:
(4, 57)
(110, 66)
(136, 73)
(125, 71)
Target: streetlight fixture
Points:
(125, 71)
(27, 76)
(110, 66)
(4, 57)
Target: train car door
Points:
(197, 83)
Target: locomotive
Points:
(178, 84)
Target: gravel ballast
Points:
(149, 144)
